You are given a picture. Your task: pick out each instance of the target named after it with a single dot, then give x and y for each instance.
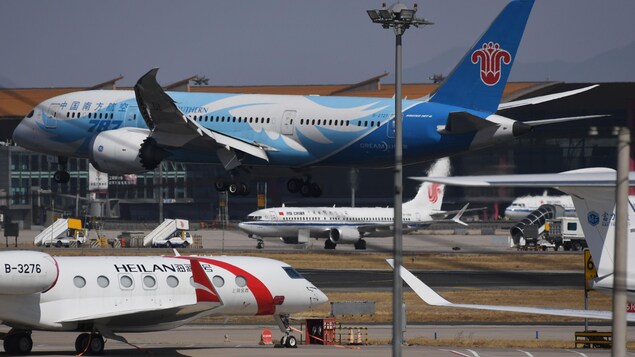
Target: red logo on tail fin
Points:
(434, 191)
(491, 57)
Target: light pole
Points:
(400, 18)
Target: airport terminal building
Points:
(29, 195)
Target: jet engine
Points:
(344, 235)
(26, 272)
(125, 151)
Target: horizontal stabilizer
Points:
(562, 120)
(432, 298)
(543, 98)
(464, 122)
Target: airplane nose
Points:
(24, 133)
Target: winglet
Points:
(425, 292)
(457, 217)
(205, 291)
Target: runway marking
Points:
(525, 352)
(456, 353)
(580, 353)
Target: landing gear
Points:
(234, 188)
(18, 342)
(62, 176)
(328, 244)
(360, 245)
(260, 244)
(305, 187)
(90, 344)
(287, 340)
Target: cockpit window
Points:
(30, 114)
(254, 218)
(292, 273)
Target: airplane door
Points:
(391, 128)
(132, 113)
(51, 114)
(286, 126)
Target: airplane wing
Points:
(432, 298)
(171, 128)
(543, 98)
(597, 177)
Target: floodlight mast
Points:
(400, 18)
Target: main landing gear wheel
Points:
(61, 176)
(329, 245)
(18, 344)
(294, 185)
(93, 344)
(305, 187)
(238, 189)
(360, 244)
(260, 244)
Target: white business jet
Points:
(593, 193)
(101, 297)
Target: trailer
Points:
(170, 233)
(565, 232)
(64, 232)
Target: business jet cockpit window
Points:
(292, 273)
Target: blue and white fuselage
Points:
(133, 131)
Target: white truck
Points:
(64, 232)
(564, 232)
(170, 233)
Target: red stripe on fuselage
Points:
(258, 288)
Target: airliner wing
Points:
(432, 298)
(543, 98)
(597, 177)
(171, 128)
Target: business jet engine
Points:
(27, 272)
(125, 151)
(344, 235)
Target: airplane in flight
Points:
(350, 225)
(522, 206)
(593, 193)
(101, 297)
(128, 132)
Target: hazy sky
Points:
(84, 42)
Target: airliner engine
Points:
(344, 235)
(26, 272)
(118, 151)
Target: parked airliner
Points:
(522, 206)
(593, 193)
(349, 225)
(124, 132)
(104, 296)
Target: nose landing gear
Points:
(61, 175)
(288, 340)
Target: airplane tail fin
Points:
(477, 82)
(430, 195)
(595, 207)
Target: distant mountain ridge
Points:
(617, 65)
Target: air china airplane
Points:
(350, 225)
(522, 206)
(593, 193)
(104, 296)
(124, 132)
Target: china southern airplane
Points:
(593, 193)
(124, 132)
(350, 225)
(522, 206)
(101, 297)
